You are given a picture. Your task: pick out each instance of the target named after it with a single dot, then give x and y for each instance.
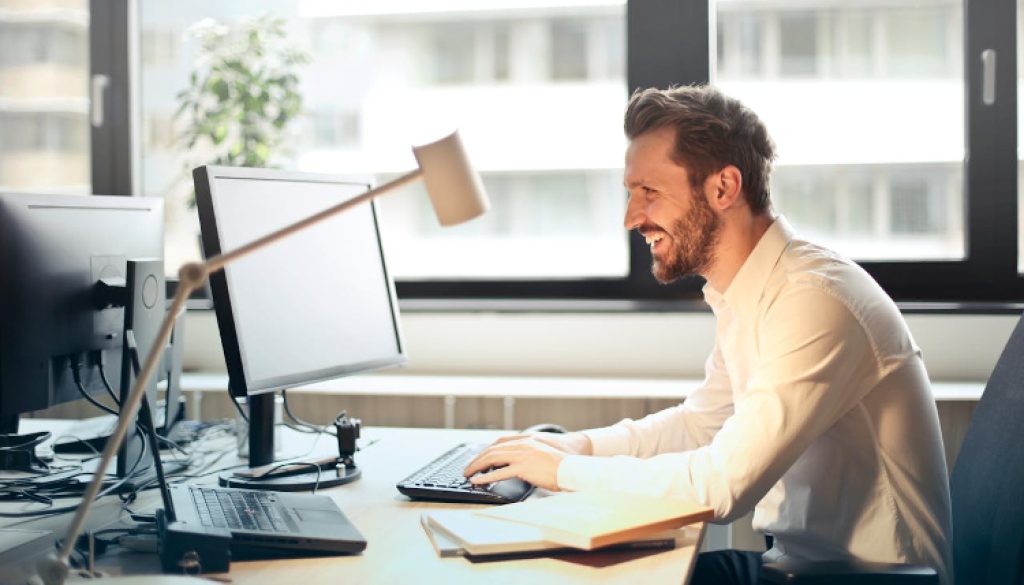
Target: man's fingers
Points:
(492, 456)
(495, 456)
(494, 475)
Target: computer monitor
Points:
(315, 306)
(54, 249)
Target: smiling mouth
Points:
(653, 239)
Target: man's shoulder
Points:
(805, 263)
(812, 276)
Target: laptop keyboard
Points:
(442, 479)
(239, 509)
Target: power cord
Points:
(102, 367)
(238, 407)
(76, 375)
(303, 426)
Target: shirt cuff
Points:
(578, 472)
(609, 441)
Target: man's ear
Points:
(726, 187)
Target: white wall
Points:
(658, 345)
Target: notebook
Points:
(592, 519)
(462, 532)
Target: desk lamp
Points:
(457, 196)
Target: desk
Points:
(398, 551)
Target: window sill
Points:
(590, 306)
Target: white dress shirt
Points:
(815, 411)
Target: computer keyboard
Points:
(442, 480)
(239, 509)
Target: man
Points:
(815, 411)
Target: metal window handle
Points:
(99, 92)
(988, 77)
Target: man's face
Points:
(677, 221)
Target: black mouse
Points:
(544, 428)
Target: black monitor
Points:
(315, 306)
(54, 249)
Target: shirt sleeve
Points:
(680, 428)
(815, 363)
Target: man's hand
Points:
(570, 443)
(533, 458)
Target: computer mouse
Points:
(544, 428)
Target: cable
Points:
(269, 474)
(106, 383)
(31, 440)
(298, 421)
(81, 388)
(238, 407)
(60, 489)
(85, 394)
(107, 491)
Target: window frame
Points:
(112, 145)
(669, 42)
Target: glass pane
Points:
(44, 100)
(865, 103)
(537, 93)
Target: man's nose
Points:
(634, 213)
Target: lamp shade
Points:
(455, 189)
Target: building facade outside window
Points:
(44, 71)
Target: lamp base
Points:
(299, 482)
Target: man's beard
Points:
(694, 236)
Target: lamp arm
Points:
(217, 262)
(54, 570)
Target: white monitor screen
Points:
(316, 305)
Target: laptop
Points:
(267, 524)
(263, 524)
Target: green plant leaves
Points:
(242, 94)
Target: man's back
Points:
(873, 483)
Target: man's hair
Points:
(712, 131)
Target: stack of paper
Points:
(581, 520)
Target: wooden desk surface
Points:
(398, 550)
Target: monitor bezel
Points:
(240, 384)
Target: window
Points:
(798, 43)
(881, 97)
(887, 149)
(908, 165)
(537, 94)
(44, 68)
(568, 49)
(452, 52)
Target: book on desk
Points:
(572, 521)
(593, 519)
(462, 533)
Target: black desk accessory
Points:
(18, 452)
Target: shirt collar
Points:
(748, 285)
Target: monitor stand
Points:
(261, 458)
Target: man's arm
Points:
(683, 427)
(812, 371)
(686, 426)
